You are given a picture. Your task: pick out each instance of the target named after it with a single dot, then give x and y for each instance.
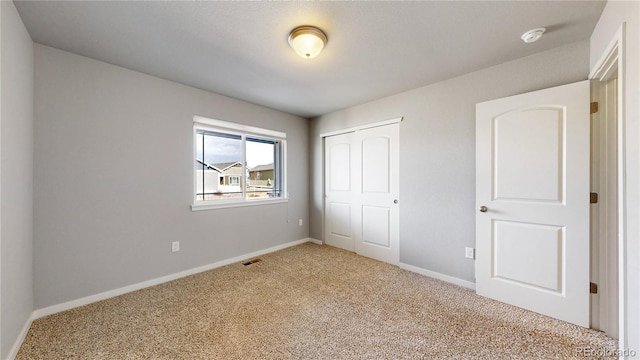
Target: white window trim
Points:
(222, 204)
(200, 122)
(233, 127)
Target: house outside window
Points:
(237, 165)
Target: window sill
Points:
(212, 205)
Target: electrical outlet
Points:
(300, 222)
(470, 253)
(175, 246)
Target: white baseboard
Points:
(316, 241)
(123, 290)
(439, 276)
(23, 335)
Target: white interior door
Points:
(361, 192)
(339, 191)
(376, 200)
(532, 192)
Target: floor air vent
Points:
(251, 262)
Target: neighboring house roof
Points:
(264, 167)
(201, 165)
(219, 167)
(225, 166)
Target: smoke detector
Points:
(533, 35)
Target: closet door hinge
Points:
(594, 107)
(593, 198)
(593, 288)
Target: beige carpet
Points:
(305, 302)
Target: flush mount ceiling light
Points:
(307, 41)
(533, 35)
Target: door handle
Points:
(395, 201)
(483, 208)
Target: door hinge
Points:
(594, 107)
(593, 288)
(593, 198)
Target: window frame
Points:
(234, 180)
(203, 123)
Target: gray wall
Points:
(113, 179)
(16, 179)
(437, 152)
(614, 14)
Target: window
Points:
(234, 180)
(237, 165)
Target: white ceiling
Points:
(240, 49)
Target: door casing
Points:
(611, 64)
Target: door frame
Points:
(324, 171)
(603, 215)
(612, 61)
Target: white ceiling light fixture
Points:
(533, 35)
(307, 41)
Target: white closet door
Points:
(376, 202)
(339, 191)
(361, 192)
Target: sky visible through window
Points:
(221, 150)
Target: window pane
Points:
(263, 167)
(218, 166)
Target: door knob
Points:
(395, 201)
(483, 208)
